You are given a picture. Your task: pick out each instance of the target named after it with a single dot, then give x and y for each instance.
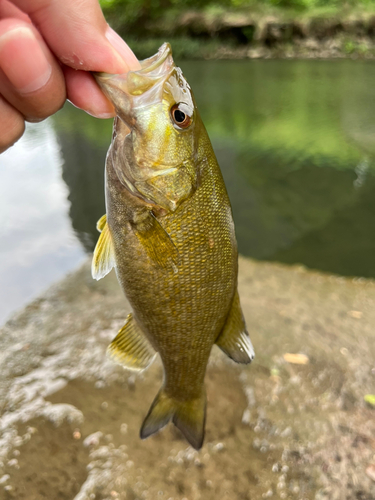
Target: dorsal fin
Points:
(103, 260)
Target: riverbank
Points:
(259, 32)
(284, 427)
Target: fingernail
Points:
(23, 60)
(127, 56)
(105, 116)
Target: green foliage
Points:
(370, 399)
(183, 47)
(354, 47)
(145, 17)
(153, 7)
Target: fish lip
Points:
(137, 88)
(159, 64)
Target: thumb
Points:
(78, 35)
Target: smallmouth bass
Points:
(169, 233)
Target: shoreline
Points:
(273, 426)
(191, 49)
(242, 35)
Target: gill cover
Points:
(155, 142)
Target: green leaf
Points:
(370, 399)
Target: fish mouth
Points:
(160, 63)
(121, 88)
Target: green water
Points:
(296, 143)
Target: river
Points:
(296, 144)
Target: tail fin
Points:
(188, 416)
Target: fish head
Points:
(156, 132)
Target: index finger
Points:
(78, 35)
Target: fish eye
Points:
(179, 117)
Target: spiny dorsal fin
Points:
(130, 348)
(234, 339)
(103, 260)
(189, 416)
(157, 243)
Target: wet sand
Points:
(70, 418)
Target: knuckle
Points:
(41, 111)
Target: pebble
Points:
(370, 471)
(92, 439)
(297, 359)
(268, 494)
(246, 417)
(76, 434)
(355, 314)
(124, 428)
(219, 447)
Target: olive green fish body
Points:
(182, 309)
(169, 234)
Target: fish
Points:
(169, 234)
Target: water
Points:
(296, 144)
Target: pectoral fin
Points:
(130, 348)
(103, 260)
(234, 339)
(101, 223)
(157, 242)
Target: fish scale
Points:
(169, 234)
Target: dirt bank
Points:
(70, 418)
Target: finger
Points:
(9, 10)
(79, 36)
(31, 80)
(84, 93)
(12, 125)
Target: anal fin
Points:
(234, 339)
(103, 259)
(130, 348)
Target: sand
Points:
(285, 427)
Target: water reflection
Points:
(293, 141)
(296, 144)
(86, 185)
(37, 244)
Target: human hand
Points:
(47, 49)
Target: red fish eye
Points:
(181, 119)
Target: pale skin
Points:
(47, 50)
